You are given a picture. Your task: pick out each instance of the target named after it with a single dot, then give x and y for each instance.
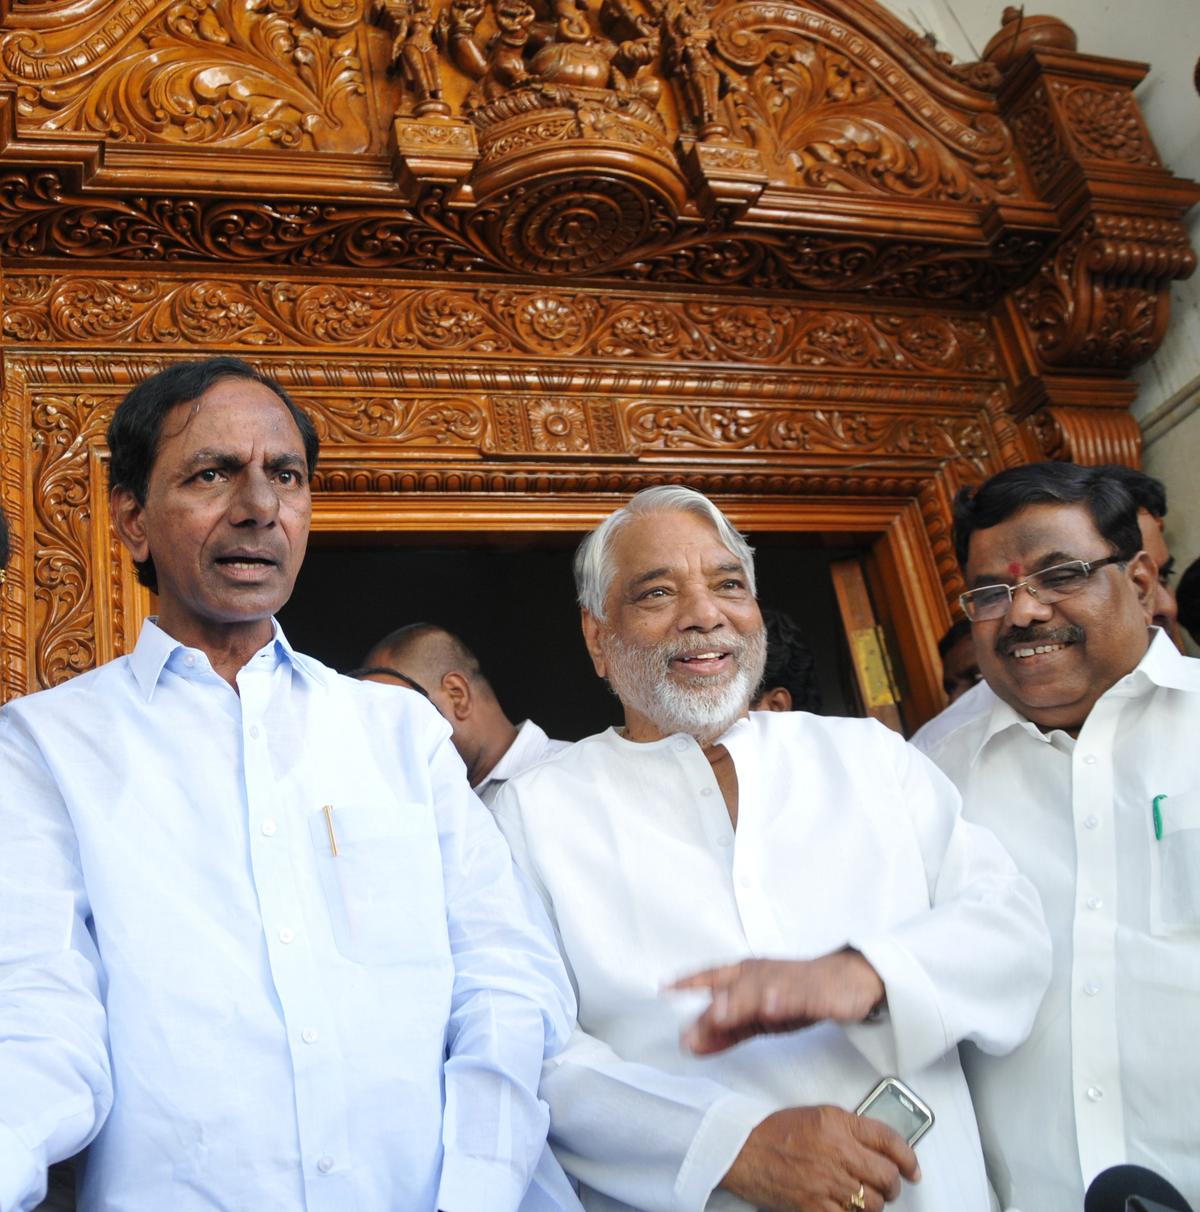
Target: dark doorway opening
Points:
(512, 600)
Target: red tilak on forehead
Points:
(1014, 570)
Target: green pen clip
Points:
(1157, 817)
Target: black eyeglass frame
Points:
(965, 600)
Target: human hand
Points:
(757, 997)
(813, 1159)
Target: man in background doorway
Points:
(493, 748)
(960, 668)
(789, 681)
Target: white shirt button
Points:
(745, 881)
(1095, 1093)
(681, 746)
(1089, 759)
(325, 1164)
(1091, 821)
(286, 935)
(706, 791)
(1091, 988)
(254, 732)
(726, 840)
(268, 828)
(310, 1035)
(190, 660)
(1094, 902)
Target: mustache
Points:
(1022, 637)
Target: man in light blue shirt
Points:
(259, 944)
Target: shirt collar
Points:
(155, 649)
(512, 760)
(1162, 665)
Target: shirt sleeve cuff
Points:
(22, 1179)
(726, 1126)
(912, 1034)
(470, 1184)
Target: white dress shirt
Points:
(1111, 1072)
(272, 1025)
(530, 746)
(979, 700)
(845, 835)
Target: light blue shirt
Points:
(240, 1017)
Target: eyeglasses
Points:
(1050, 585)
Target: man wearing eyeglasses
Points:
(1086, 769)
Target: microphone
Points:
(1132, 1189)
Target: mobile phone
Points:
(893, 1103)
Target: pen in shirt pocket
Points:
(327, 809)
(1156, 812)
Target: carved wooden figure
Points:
(546, 262)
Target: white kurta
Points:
(1112, 1065)
(845, 835)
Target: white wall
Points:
(1165, 34)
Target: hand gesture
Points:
(757, 997)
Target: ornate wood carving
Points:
(518, 256)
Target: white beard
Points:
(704, 707)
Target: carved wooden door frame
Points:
(781, 251)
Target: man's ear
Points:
(591, 637)
(129, 521)
(1143, 575)
(457, 689)
(777, 699)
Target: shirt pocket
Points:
(380, 869)
(1175, 866)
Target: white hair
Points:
(594, 568)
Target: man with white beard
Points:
(700, 834)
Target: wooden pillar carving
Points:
(1098, 305)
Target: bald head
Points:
(451, 675)
(426, 653)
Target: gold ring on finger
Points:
(858, 1201)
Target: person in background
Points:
(1188, 600)
(252, 956)
(789, 681)
(960, 669)
(703, 834)
(493, 748)
(1085, 768)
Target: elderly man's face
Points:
(683, 644)
(226, 514)
(1052, 662)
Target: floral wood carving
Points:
(40, 217)
(1104, 122)
(830, 110)
(88, 309)
(1101, 301)
(231, 73)
(64, 428)
(815, 431)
